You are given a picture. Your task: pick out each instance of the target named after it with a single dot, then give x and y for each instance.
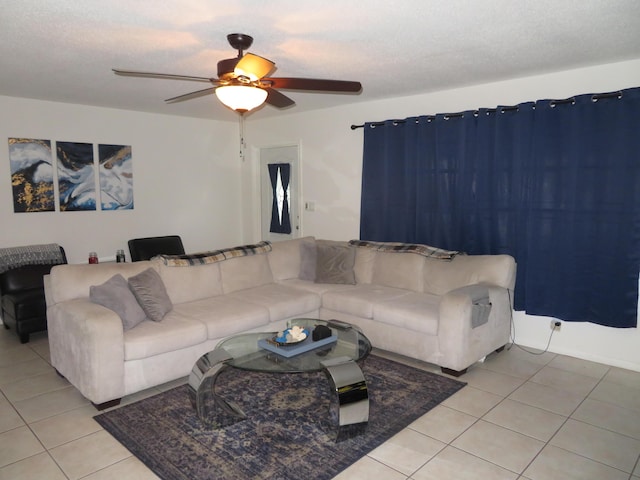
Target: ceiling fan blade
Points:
(253, 66)
(189, 96)
(134, 73)
(278, 99)
(315, 84)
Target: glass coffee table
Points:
(258, 352)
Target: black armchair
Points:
(22, 297)
(148, 247)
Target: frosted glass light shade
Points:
(241, 98)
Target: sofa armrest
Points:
(87, 348)
(462, 343)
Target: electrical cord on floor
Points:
(513, 334)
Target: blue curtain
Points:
(556, 184)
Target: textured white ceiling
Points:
(63, 50)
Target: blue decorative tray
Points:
(289, 351)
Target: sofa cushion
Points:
(308, 260)
(334, 263)
(442, 276)
(285, 257)
(175, 332)
(69, 282)
(282, 301)
(151, 294)
(363, 268)
(359, 300)
(225, 315)
(414, 311)
(400, 270)
(186, 284)
(115, 295)
(245, 272)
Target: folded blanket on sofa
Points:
(424, 250)
(214, 256)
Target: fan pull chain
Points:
(242, 144)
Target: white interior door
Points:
(280, 155)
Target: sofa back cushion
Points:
(399, 270)
(285, 256)
(194, 282)
(442, 276)
(74, 281)
(245, 272)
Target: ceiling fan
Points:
(242, 84)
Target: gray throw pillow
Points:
(335, 264)
(115, 295)
(151, 294)
(308, 259)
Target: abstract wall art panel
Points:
(31, 175)
(76, 177)
(116, 177)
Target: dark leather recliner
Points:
(22, 297)
(148, 247)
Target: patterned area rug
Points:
(288, 433)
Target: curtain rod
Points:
(594, 98)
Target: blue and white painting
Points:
(76, 177)
(31, 175)
(116, 177)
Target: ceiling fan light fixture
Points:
(241, 98)
(253, 66)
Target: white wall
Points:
(331, 166)
(186, 179)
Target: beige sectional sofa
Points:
(448, 312)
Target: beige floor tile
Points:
(492, 382)
(579, 366)
(617, 394)
(29, 368)
(472, 401)
(37, 467)
(610, 448)
(518, 353)
(128, 469)
(39, 343)
(610, 417)
(495, 444)
(565, 380)
(66, 427)
(531, 421)
(369, 469)
(624, 377)
(9, 418)
(36, 385)
(18, 444)
(443, 423)
(454, 464)
(517, 363)
(407, 451)
(554, 463)
(89, 454)
(547, 398)
(16, 354)
(50, 404)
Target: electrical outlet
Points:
(555, 325)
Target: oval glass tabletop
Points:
(247, 353)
